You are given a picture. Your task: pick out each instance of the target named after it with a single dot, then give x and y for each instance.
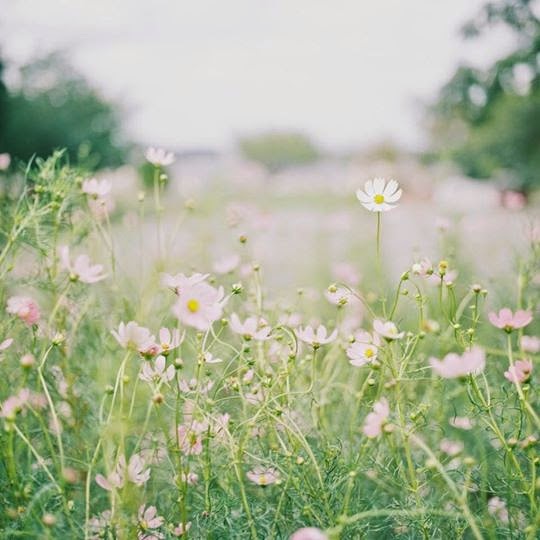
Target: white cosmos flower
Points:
(387, 330)
(159, 157)
(80, 269)
(157, 371)
(133, 336)
(251, 328)
(378, 195)
(317, 337)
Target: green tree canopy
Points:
(54, 107)
(489, 120)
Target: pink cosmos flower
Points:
(452, 448)
(168, 340)
(308, 533)
(132, 472)
(6, 344)
(199, 305)
(133, 336)
(251, 328)
(159, 157)
(509, 321)
(96, 188)
(364, 350)
(497, 508)
(226, 264)
(190, 438)
(422, 268)
(100, 524)
(191, 386)
(375, 420)
(25, 308)
(190, 478)
(178, 282)
(520, 372)
(315, 338)
(453, 365)
(263, 476)
(153, 447)
(461, 422)
(18, 402)
(149, 521)
(530, 344)
(291, 320)
(5, 161)
(345, 273)
(180, 531)
(81, 269)
(157, 372)
(387, 330)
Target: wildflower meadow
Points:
(158, 389)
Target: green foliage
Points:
(54, 107)
(276, 150)
(487, 120)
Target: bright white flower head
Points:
(159, 157)
(251, 328)
(199, 305)
(96, 188)
(387, 330)
(80, 269)
(364, 350)
(133, 336)
(378, 195)
(316, 338)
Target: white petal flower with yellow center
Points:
(379, 195)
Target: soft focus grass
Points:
(308, 426)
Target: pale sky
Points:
(199, 73)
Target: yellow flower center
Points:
(369, 353)
(379, 199)
(193, 305)
(263, 480)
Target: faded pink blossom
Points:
(180, 531)
(80, 269)
(190, 438)
(226, 264)
(339, 296)
(190, 478)
(157, 371)
(346, 273)
(149, 521)
(169, 340)
(263, 476)
(497, 508)
(96, 188)
(251, 328)
(509, 321)
(520, 372)
(315, 338)
(422, 268)
(25, 308)
(132, 472)
(18, 402)
(375, 420)
(453, 365)
(193, 386)
(452, 448)
(209, 358)
(461, 422)
(178, 282)
(308, 533)
(5, 161)
(6, 344)
(530, 344)
(387, 330)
